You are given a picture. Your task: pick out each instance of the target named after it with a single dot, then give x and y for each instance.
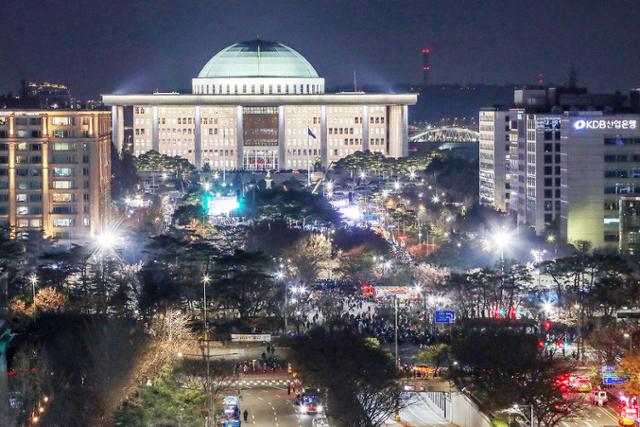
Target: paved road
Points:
(593, 416)
(269, 406)
(420, 414)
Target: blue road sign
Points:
(445, 316)
(613, 380)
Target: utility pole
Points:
(205, 326)
(396, 329)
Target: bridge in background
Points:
(444, 134)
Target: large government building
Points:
(260, 105)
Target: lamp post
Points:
(538, 257)
(630, 338)
(280, 276)
(516, 409)
(395, 300)
(105, 243)
(205, 329)
(502, 239)
(33, 279)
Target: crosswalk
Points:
(248, 383)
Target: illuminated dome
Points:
(258, 59)
(257, 67)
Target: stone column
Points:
(365, 128)
(197, 139)
(12, 123)
(239, 139)
(282, 149)
(396, 125)
(155, 133)
(117, 126)
(324, 146)
(45, 125)
(405, 130)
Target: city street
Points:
(593, 416)
(420, 414)
(269, 406)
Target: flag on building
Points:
(311, 134)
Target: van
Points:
(598, 397)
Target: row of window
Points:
(621, 141)
(616, 158)
(257, 89)
(624, 188)
(634, 173)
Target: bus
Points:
(230, 416)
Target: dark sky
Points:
(135, 45)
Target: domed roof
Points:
(258, 58)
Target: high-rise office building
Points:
(566, 171)
(600, 165)
(260, 105)
(494, 128)
(55, 172)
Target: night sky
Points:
(132, 45)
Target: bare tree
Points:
(310, 257)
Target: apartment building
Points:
(55, 172)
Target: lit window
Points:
(62, 197)
(63, 222)
(61, 121)
(62, 185)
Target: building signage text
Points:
(605, 124)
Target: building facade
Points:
(260, 105)
(600, 167)
(573, 174)
(494, 144)
(55, 172)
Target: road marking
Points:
(588, 423)
(564, 423)
(607, 413)
(260, 398)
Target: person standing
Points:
(245, 415)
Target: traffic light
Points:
(547, 325)
(541, 343)
(560, 344)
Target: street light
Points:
(501, 240)
(205, 326)
(516, 409)
(280, 276)
(33, 279)
(106, 240)
(547, 307)
(630, 338)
